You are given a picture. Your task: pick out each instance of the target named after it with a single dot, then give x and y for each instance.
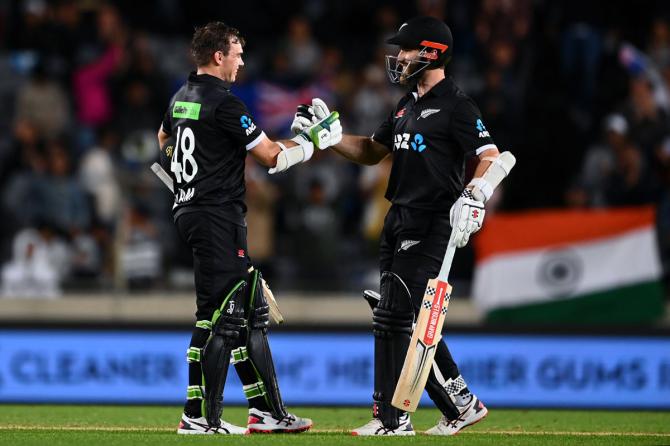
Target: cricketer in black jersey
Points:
(208, 171)
(429, 135)
(204, 138)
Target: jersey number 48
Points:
(187, 168)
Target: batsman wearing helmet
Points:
(204, 138)
(431, 132)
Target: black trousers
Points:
(412, 245)
(220, 257)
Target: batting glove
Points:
(314, 119)
(466, 217)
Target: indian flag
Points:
(576, 267)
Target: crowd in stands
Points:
(579, 91)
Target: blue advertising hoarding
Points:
(317, 368)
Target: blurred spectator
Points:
(90, 81)
(501, 110)
(581, 51)
(372, 101)
(22, 194)
(44, 104)
(98, 178)
(317, 237)
(648, 122)
(140, 249)
(63, 204)
(373, 182)
(659, 42)
(36, 268)
(261, 200)
(302, 52)
(614, 173)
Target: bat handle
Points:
(448, 259)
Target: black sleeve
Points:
(167, 124)
(234, 117)
(384, 134)
(468, 129)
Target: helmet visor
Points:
(400, 72)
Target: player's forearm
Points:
(361, 149)
(162, 137)
(484, 164)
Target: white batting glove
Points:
(304, 117)
(466, 217)
(308, 117)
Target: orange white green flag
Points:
(587, 266)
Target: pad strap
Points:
(254, 390)
(194, 392)
(193, 354)
(238, 355)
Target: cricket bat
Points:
(275, 314)
(428, 328)
(163, 176)
(426, 335)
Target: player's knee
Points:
(387, 322)
(228, 321)
(395, 294)
(394, 313)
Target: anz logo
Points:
(483, 133)
(402, 141)
(247, 125)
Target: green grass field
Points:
(120, 425)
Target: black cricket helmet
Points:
(431, 36)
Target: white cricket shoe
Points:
(265, 423)
(199, 426)
(471, 413)
(375, 427)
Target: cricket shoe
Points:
(265, 423)
(376, 427)
(471, 413)
(199, 426)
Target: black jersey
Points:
(210, 132)
(431, 137)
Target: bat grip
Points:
(448, 259)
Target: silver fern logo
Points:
(427, 112)
(406, 244)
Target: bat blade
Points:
(422, 347)
(275, 314)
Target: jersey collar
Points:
(207, 79)
(439, 89)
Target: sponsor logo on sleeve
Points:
(247, 124)
(483, 133)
